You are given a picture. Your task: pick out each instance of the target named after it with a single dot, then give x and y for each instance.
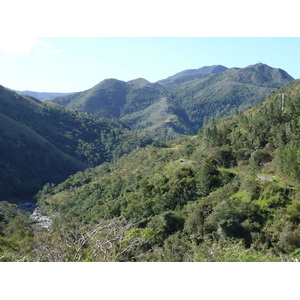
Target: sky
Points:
(70, 46)
(72, 64)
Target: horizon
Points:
(140, 78)
(71, 64)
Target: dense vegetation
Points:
(231, 193)
(179, 104)
(28, 161)
(44, 142)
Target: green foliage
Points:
(43, 142)
(16, 233)
(209, 178)
(179, 104)
(193, 199)
(199, 198)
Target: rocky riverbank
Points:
(29, 206)
(43, 221)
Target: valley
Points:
(200, 166)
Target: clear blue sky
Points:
(75, 64)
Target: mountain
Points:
(135, 103)
(188, 75)
(43, 142)
(112, 93)
(42, 95)
(230, 193)
(222, 93)
(113, 98)
(179, 104)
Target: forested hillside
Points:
(28, 161)
(44, 142)
(230, 193)
(220, 94)
(181, 103)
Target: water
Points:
(29, 205)
(26, 204)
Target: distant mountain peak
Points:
(110, 80)
(203, 70)
(139, 82)
(41, 95)
(192, 94)
(262, 66)
(109, 83)
(191, 74)
(257, 65)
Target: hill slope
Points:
(42, 142)
(28, 161)
(194, 199)
(220, 94)
(186, 97)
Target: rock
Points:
(44, 221)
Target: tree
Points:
(208, 178)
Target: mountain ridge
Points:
(228, 193)
(191, 74)
(196, 93)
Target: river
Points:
(29, 205)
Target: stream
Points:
(30, 206)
